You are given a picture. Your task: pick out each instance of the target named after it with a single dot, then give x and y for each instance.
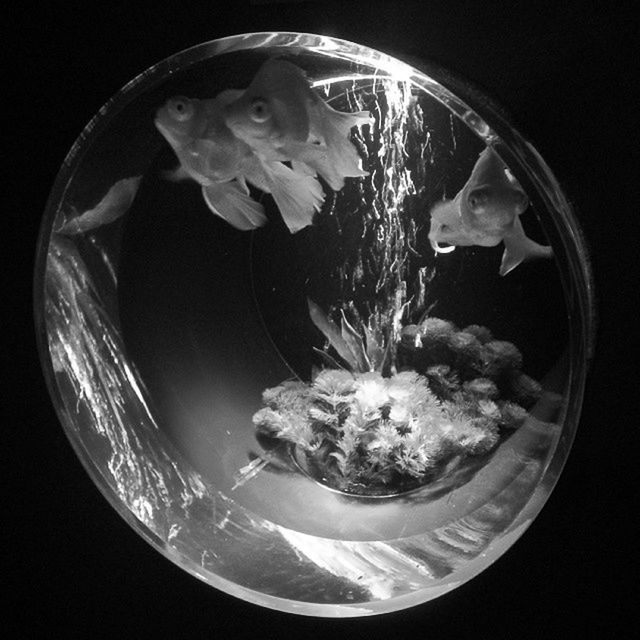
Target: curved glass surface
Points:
(166, 333)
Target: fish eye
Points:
(260, 111)
(180, 109)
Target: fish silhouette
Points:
(486, 212)
(281, 117)
(114, 204)
(222, 164)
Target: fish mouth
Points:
(233, 118)
(164, 130)
(229, 117)
(435, 245)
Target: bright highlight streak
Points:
(438, 249)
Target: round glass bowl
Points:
(344, 419)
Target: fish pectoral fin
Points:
(298, 195)
(301, 167)
(229, 201)
(518, 248)
(253, 171)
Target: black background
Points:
(566, 74)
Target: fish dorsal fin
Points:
(488, 169)
(517, 248)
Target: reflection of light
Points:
(107, 397)
(353, 76)
(393, 67)
(358, 76)
(399, 70)
(248, 472)
(376, 566)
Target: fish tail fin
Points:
(230, 202)
(329, 150)
(344, 121)
(298, 194)
(115, 203)
(518, 248)
(336, 130)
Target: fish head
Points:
(491, 200)
(206, 148)
(489, 210)
(180, 120)
(496, 202)
(274, 108)
(447, 227)
(251, 119)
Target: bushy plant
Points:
(458, 392)
(366, 431)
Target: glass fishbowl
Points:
(316, 322)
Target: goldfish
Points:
(222, 164)
(281, 117)
(485, 212)
(114, 204)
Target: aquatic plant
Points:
(363, 433)
(449, 357)
(468, 358)
(368, 352)
(449, 394)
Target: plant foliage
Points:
(458, 392)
